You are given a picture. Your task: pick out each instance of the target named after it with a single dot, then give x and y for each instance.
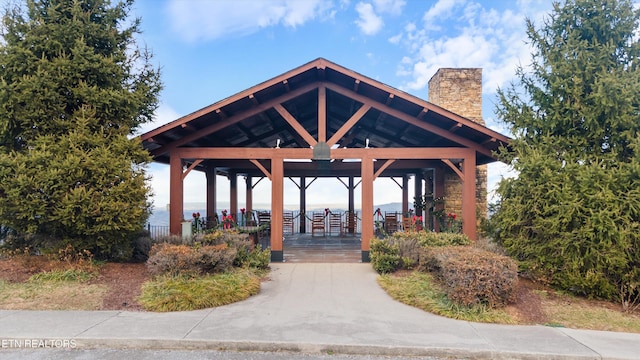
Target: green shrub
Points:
(258, 258)
(215, 237)
(411, 243)
(471, 275)
(182, 259)
(385, 257)
(408, 247)
(247, 255)
(184, 293)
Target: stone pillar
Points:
(460, 91)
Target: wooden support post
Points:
(248, 193)
(211, 192)
(303, 204)
(277, 190)
(176, 196)
(233, 195)
(352, 198)
(405, 194)
(417, 186)
(438, 193)
(367, 206)
(469, 222)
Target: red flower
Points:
(243, 210)
(194, 215)
(198, 214)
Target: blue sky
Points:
(209, 50)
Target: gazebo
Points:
(324, 120)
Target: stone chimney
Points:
(460, 91)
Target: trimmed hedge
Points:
(247, 254)
(471, 275)
(384, 257)
(182, 259)
(403, 249)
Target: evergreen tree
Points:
(74, 86)
(572, 216)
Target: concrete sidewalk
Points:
(312, 308)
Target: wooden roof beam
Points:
(455, 127)
(321, 71)
(221, 114)
(412, 120)
(254, 100)
(187, 127)
(416, 153)
(295, 124)
(348, 124)
(233, 119)
(491, 140)
(389, 99)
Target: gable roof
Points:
(284, 110)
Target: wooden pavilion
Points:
(325, 114)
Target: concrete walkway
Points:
(313, 308)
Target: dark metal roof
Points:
(250, 119)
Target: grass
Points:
(183, 292)
(62, 275)
(572, 312)
(418, 289)
(53, 290)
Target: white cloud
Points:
(370, 19)
(368, 22)
(442, 8)
(393, 7)
(205, 20)
(491, 39)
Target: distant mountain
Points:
(160, 216)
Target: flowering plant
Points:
(417, 222)
(452, 224)
(227, 220)
(197, 222)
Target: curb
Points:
(318, 348)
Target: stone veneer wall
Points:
(460, 91)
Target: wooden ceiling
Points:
(270, 114)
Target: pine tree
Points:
(74, 86)
(572, 215)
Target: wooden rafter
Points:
(412, 120)
(382, 168)
(295, 124)
(191, 167)
(454, 168)
(262, 168)
(232, 120)
(348, 125)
